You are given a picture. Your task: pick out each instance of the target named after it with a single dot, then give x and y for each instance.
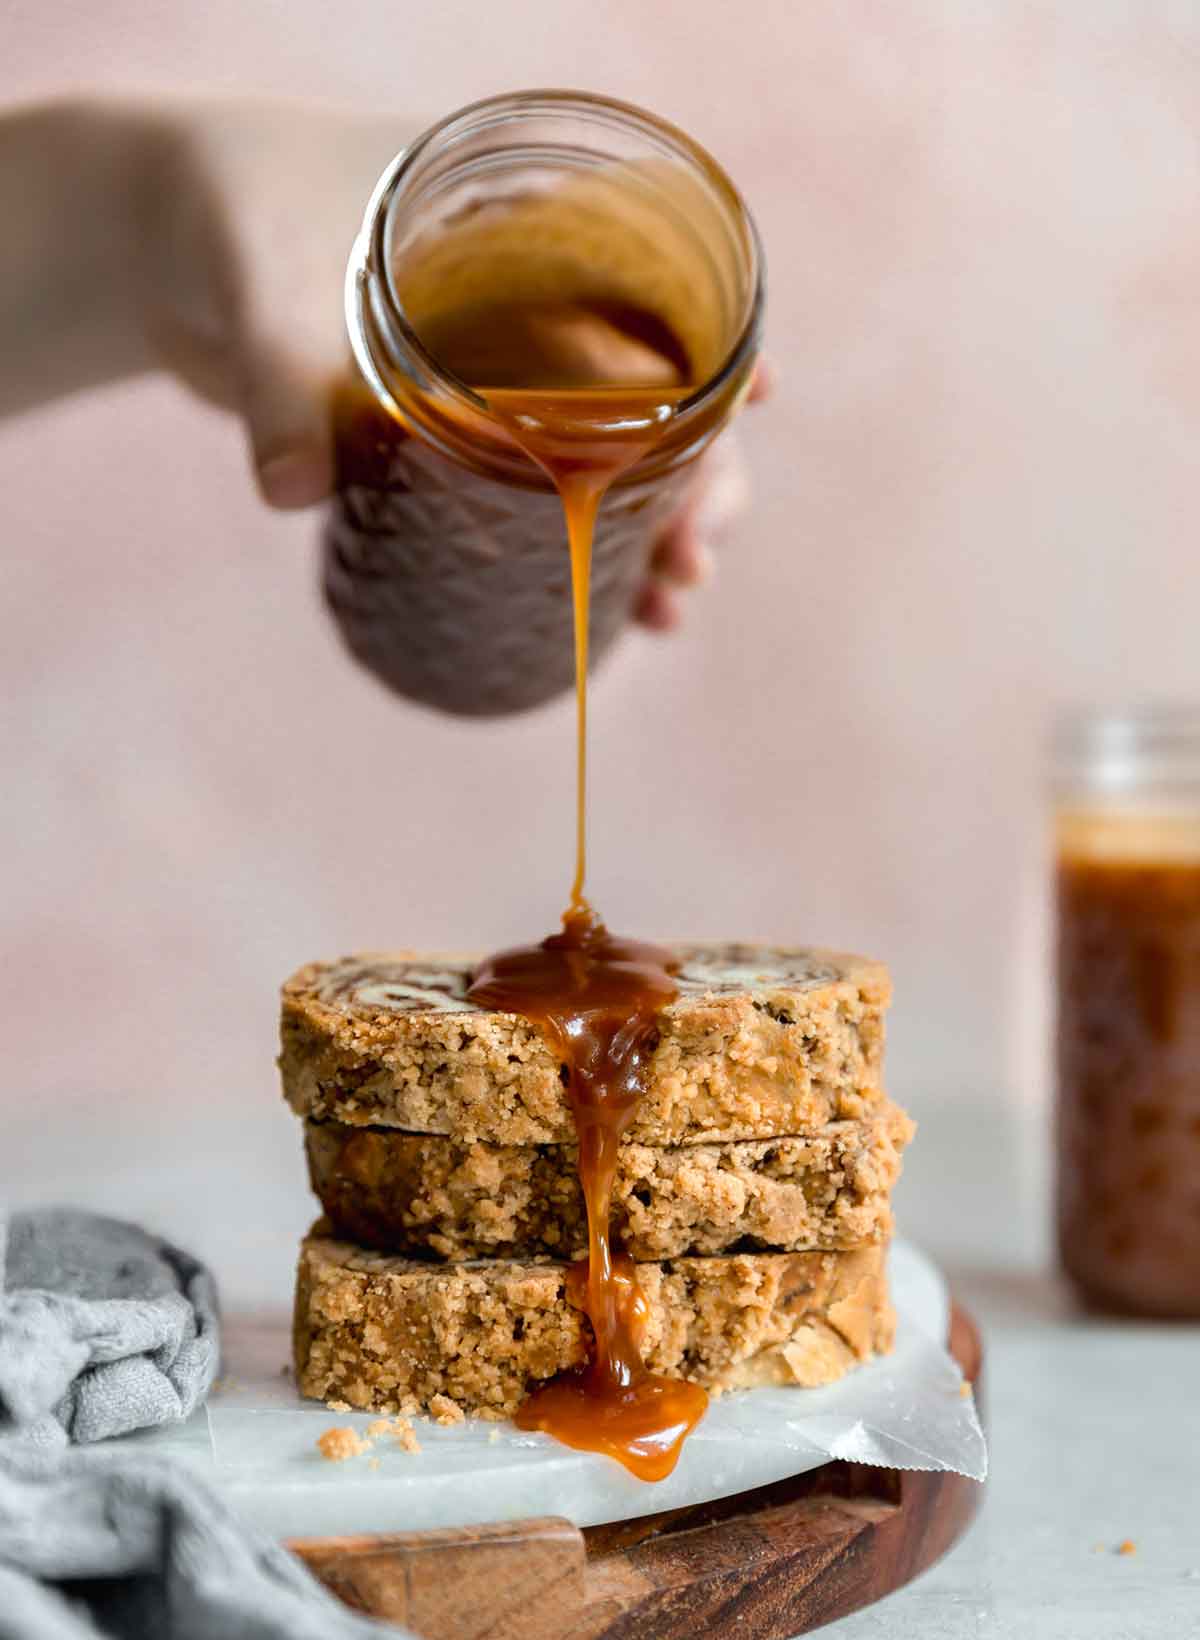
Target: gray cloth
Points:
(96, 1543)
(104, 1329)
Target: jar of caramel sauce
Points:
(541, 280)
(1127, 828)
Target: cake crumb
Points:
(405, 1435)
(400, 1429)
(339, 1406)
(372, 1463)
(445, 1411)
(493, 1434)
(1127, 1547)
(964, 1390)
(338, 1444)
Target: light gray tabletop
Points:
(1094, 1425)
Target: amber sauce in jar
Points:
(1128, 1029)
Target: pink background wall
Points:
(975, 497)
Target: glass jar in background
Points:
(1127, 831)
(541, 240)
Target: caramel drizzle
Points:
(584, 440)
(597, 997)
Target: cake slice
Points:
(428, 1195)
(389, 1333)
(761, 1041)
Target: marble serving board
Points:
(256, 1440)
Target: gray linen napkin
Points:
(105, 1329)
(98, 1543)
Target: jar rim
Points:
(1145, 745)
(370, 275)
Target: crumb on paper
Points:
(446, 1411)
(339, 1406)
(339, 1443)
(493, 1434)
(372, 1463)
(399, 1428)
(405, 1435)
(964, 1390)
(1127, 1547)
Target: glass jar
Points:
(1127, 825)
(445, 558)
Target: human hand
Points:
(684, 557)
(252, 212)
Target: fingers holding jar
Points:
(683, 557)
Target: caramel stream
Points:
(597, 997)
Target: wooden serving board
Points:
(762, 1565)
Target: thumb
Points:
(286, 408)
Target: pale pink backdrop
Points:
(975, 497)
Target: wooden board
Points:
(762, 1565)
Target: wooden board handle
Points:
(518, 1580)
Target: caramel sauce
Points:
(598, 998)
(605, 388)
(584, 440)
(1128, 1109)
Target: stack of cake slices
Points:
(753, 1188)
